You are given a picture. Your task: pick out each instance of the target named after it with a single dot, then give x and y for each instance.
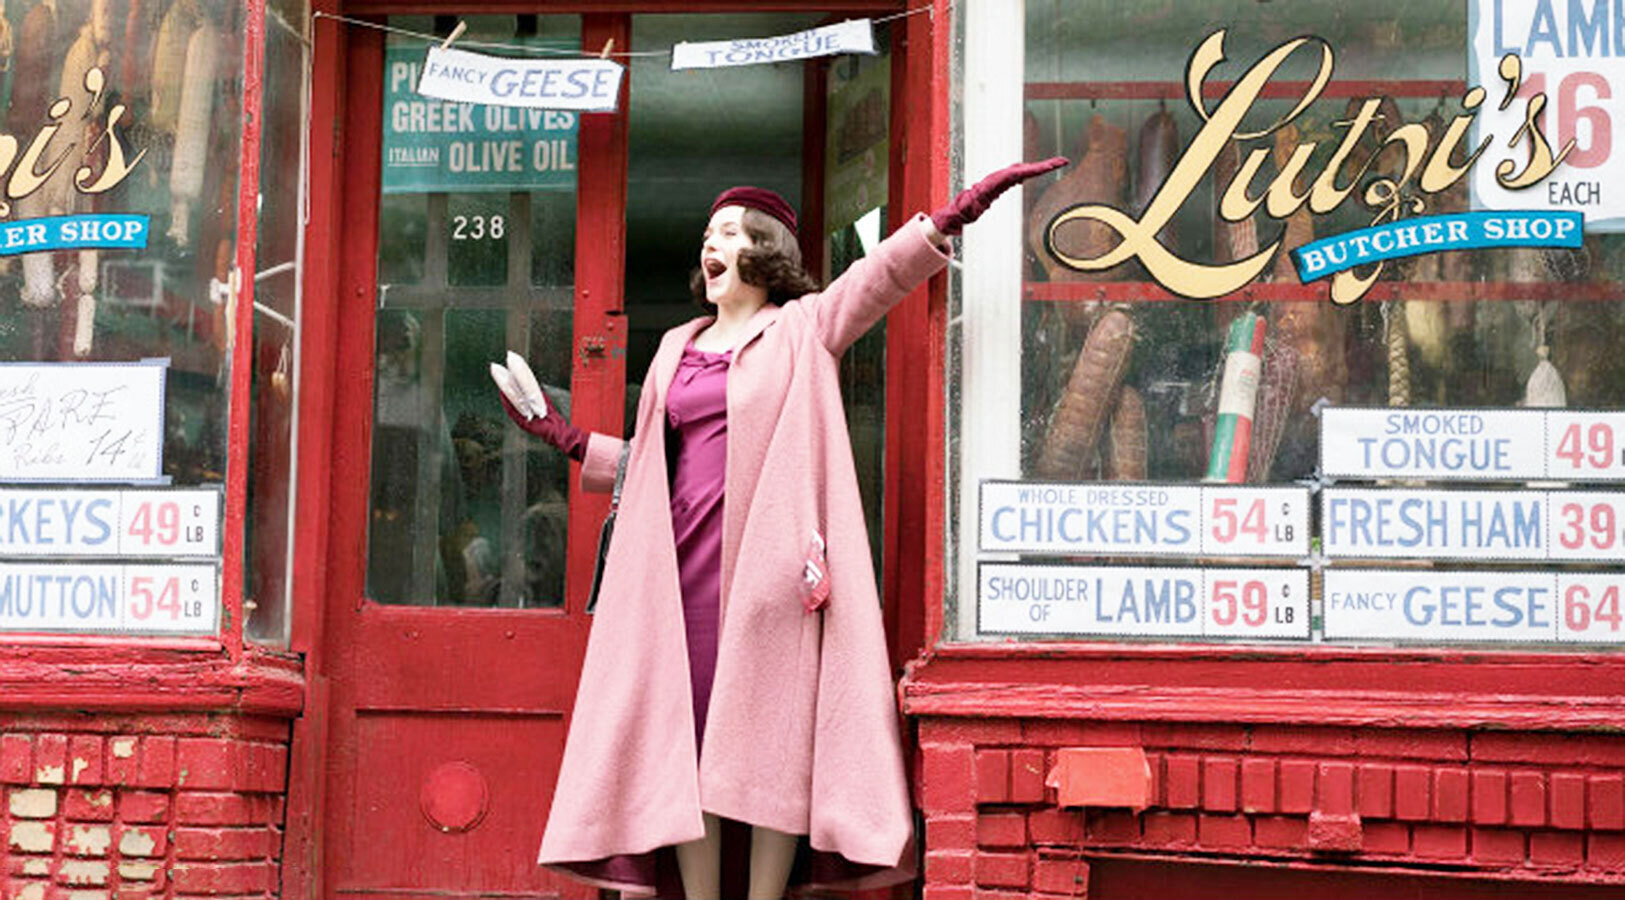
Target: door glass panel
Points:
(476, 255)
(692, 134)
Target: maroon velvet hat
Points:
(760, 199)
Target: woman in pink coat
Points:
(737, 668)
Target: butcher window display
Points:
(736, 674)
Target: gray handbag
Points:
(607, 530)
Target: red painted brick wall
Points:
(1519, 805)
(130, 808)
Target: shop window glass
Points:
(146, 105)
(472, 263)
(276, 334)
(1104, 85)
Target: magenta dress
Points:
(697, 411)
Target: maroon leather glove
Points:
(552, 428)
(974, 200)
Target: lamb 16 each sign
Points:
(81, 422)
(1570, 53)
(1389, 523)
(1473, 606)
(109, 523)
(444, 145)
(138, 598)
(1473, 444)
(1117, 519)
(1143, 602)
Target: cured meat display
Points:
(1462, 337)
(1079, 419)
(1099, 176)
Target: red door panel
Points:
(448, 702)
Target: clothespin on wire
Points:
(456, 33)
(608, 46)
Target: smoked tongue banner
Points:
(851, 36)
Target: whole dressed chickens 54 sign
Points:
(1424, 168)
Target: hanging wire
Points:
(471, 42)
(543, 51)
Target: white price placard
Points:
(1528, 525)
(82, 422)
(1586, 526)
(1460, 444)
(1123, 519)
(127, 599)
(1023, 599)
(1570, 52)
(1590, 603)
(1585, 445)
(1428, 605)
(109, 523)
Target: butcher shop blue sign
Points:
(83, 232)
(434, 145)
(1414, 237)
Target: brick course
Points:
(1401, 797)
(126, 816)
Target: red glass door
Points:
(461, 549)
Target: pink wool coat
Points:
(802, 733)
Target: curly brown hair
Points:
(773, 261)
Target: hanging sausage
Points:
(1314, 328)
(1157, 153)
(1127, 444)
(192, 130)
(1080, 416)
(169, 55)
(1100, 176)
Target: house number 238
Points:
(477, 228)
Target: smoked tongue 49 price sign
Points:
(1472, 444)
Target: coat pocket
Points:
(815, 576)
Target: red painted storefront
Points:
(384, 749)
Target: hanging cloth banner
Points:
(585, 85)
(851, 36)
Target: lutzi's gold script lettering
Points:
(28, 176)
(1425, 170)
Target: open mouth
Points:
(714, 268)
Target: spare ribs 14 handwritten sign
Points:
(82, 422)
